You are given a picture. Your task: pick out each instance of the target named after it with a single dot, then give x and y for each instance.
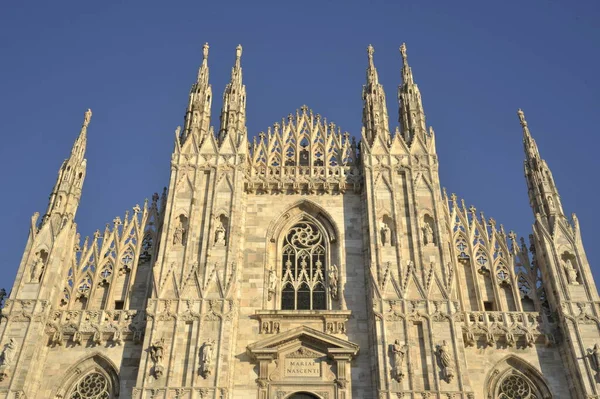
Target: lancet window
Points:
(304, 262)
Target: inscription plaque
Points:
(302, 368)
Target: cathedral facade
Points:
(302, 264)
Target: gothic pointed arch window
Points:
(93, 378)
(94, 385)
(512, 378)
(303, 263)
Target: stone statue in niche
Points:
(272, 283)
(333, 281)
(428, 233)
(178, 234)
(550, 204)
(37, 268)
(386, 234)
(206, 358)
(594, 355)
(398, 353)
(156, 353)
(446, 361)
(220, 234)
(570, 272)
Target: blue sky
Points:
(133, 62)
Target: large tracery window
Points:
(303, 265)
(92, 386)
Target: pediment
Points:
(302, 340)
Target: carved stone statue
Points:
(6, 358)
(446, 361)
(570, 272)
(37, 269)
(157, 353)
(272, 283)
(178, 234)
(220, 234)
(206, 358)
(427, 233)
(333, 281)
(385, 234)
(398, 353)
(594, 355)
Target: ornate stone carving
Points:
(594, 356)
(157, 353)
(220, 235)
(398, 353)
(272, 284)
(6, 358)
(206, 358)
(446, 361)
(333, 282)
(570, 271)
(38, 266)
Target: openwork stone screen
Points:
(303, 283)
(516, 387)
(92, 386)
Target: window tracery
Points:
(303, 268)
(92, 386)
(515, 386)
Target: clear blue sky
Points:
(133, 62)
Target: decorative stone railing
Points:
(327, 321)
(510, 326)
(99, 326)
(304, 179)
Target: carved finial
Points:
(522, 117)
(87, 118)
(155, 197)
(238, 52)
(304, 108)
(205, 51)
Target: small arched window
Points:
(303, 268)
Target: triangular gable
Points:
(326, 343)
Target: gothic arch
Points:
(96, 364)
(513, 373)
(305, 211)
(303, 395)
(293, 212)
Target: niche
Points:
(181, 228)
(38, 265)
(386, 231)
(221, 233)
(569, 265)
(428, 230)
